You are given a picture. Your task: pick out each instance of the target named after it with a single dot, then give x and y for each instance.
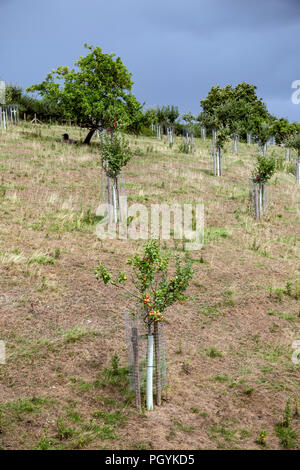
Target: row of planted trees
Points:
(153, 286)
(97, 93)
(100, 86)
(263, 171)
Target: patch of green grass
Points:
(211, 311)
(83, 386)
(215, 234)
(64, 431)
(141, 445)
(47, 443)
(27, 405)
(41, 259)
(2, 190)
(77, 333)
(273, 312)
(228, 298)
(222, 378)
(213, 352)
(276, 293)
(287, 436)
(288, 317)
(103, 432)
(74, 416)
(113, 418)
(89, 218)
(221, 431)
(116, 378)
(178, 425)
(139, 198)
(248, 391)
(194, 409)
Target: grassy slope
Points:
(62, 328)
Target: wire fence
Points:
(9, 116)
(134, 321)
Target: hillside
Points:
(228, 349)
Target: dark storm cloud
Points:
(210, 16)
(176, 50)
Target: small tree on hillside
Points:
(115, 154)
(155, 291)
(189, 119)
(28, 105)
(97, 89)
(294, 142)
(228, 105)
(237, 130)
(218, 150)
(264, 170)
(263, 134)
(282, 130)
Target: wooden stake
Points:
(136, 371)
(256, 201)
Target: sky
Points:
(175, 50)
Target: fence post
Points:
(136, 372)
(214, 159)
(298, 172)
(261, 190)
(287, 154)
(255, 197)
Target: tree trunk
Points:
(88, 138)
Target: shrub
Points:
(264, 169)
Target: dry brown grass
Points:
(62, 327)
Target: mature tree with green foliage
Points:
(13, 94)
(29, 105)
(282, 130)
(140, 122)
(95, 91)
(234, 108)
(263, 134)
(189, 120)
(294, 142)
(166, 115)
(171, 114)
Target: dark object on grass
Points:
(66, 139)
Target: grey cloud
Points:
(176, 50)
